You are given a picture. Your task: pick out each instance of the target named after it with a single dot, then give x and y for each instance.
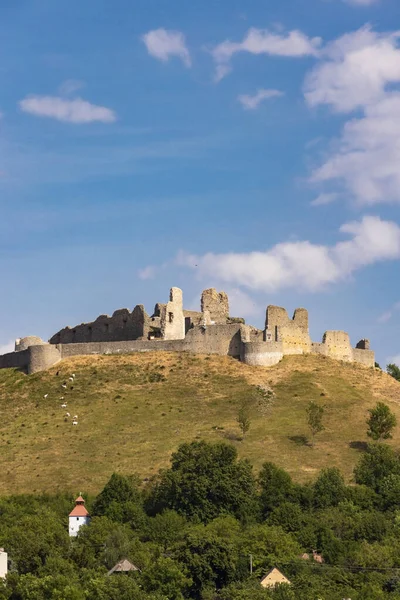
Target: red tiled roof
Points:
(79, 511)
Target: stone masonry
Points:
(172, 328)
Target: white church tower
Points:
(3, 564)
(78, 516)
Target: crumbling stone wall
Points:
(338, 345)
(292, 333)
(217, 304)
(123, 325)
(363, 345)
(172, 328)
(24, 343)
(172, 317)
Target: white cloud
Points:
(241, 304)
(147, 273)
(356, 70)
(253, 102)
(387, 315)
(70, 86)
(324, 199)
(360, 71)
(6, 348)
(302, 264)
(163, 43)
(393, 360)
(366, 159)
(362, 2)
(71, 111)
(262, 41)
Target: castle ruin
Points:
(172, 328)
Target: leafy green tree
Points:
(205, 481)
(276, 487)
(244, 419)
(381, 422)
(166, 528)
(246, 590)
(393, 370)
(329, 488)
(209, 560)
(119, 498)
(116, 587)
(390, 491)
(375, 464)
(33, 538)
(289, 516)
(166, 577)
(315, 414)
(269, 546)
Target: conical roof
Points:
(79, 510)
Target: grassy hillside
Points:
(134, 410)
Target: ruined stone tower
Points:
(216, 304)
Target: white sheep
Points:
(74, 422)
(64, 386)
(45, 396)
(70, 378)
(67, 414)
(64, 405)
(75, 417)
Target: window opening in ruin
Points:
(276, 333)
(171, 317)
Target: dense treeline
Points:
(191, 531)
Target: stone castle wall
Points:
(171, 328)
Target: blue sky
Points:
(251, 146)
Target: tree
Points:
(376, 464)
(381, 422)
(116, 499)
(205, 481)
(315, 414)
(393, 370)
(244, 420)
(329, 488)
(276, 487)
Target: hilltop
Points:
(134, 410)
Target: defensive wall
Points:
(174, 329)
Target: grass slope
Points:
(134, 410)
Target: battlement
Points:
(172, 328)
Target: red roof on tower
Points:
(79, 510)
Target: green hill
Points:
(134, 410)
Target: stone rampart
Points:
(15, 360)
(42, 357)
(292, 333)
(217, 339)
(338, 345)
(263, 354)
(171, 328)
(364, 357)
(123, 325)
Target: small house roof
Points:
(123, 566)
(273, 577)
